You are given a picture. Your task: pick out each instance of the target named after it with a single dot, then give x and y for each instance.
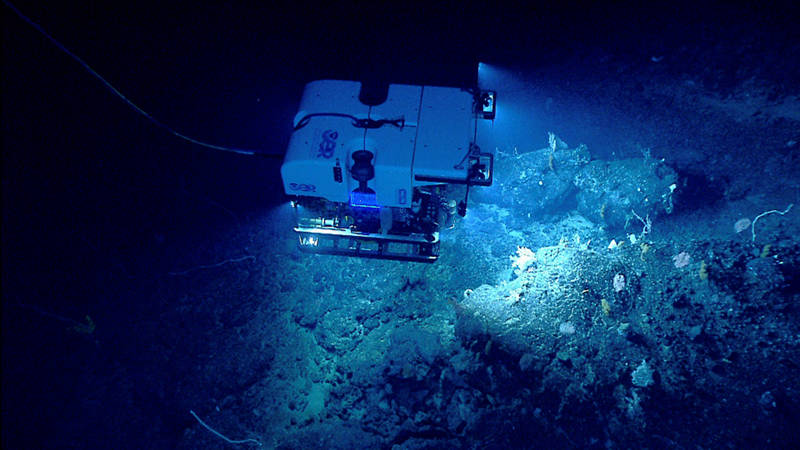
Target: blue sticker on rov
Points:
(328, 144)
(363, 200)
(402, 196)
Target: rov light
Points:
(488, 104)
(309, 241)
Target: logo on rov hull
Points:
(328, 144)
(302, 187)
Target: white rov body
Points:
(370, 176)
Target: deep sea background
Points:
(144, 277)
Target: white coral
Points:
(524, 259)
(643, 375)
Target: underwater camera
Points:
(374, 172)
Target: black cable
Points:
(307, 118)
(135, 107)
(358, 123)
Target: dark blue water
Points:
(145, 277)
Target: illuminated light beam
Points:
(521, 111)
